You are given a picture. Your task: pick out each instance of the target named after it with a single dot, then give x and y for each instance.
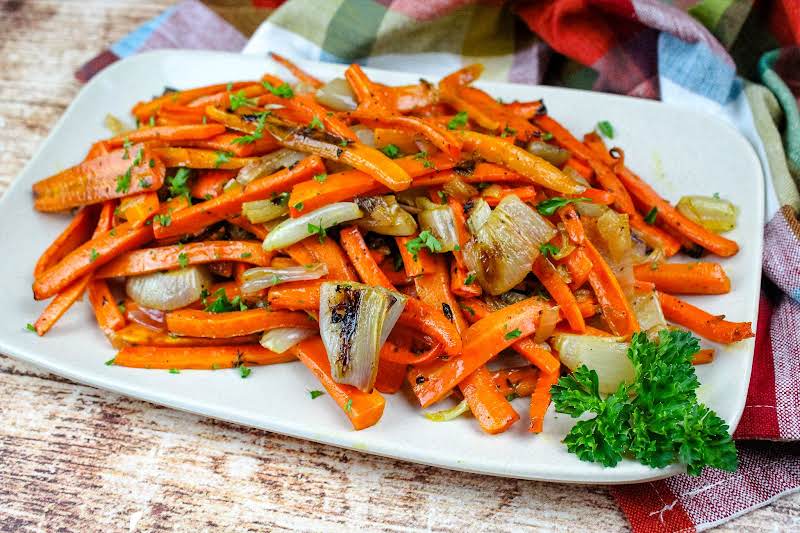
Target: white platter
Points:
(678, 151)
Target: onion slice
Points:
(445, 415)
(440, 222)
(166, 291)
(260, 211)
(608, 356)
(257, 279)
(384, 215)
(269, 164)
(714, 214)
(337, 95)
(355, 320)
(279, 340)
(294, 230)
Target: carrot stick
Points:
(60, 304)
(525, 194)
(194, 323)
(469, 172)
(295, 296)
(703, 357)
(390, 376)
(519, 381)
(580, 167)
(137, 335)
(510, 125)
(147, 260)
(229, 142)
(173, 156)
(364, 409)
(401, 139)
(296, 71)
(144, 110)
(685, 278)
(540, 400)
(90, 256)
(330, 253)
(403, 348)
(614, 305)
(209, 183)
(572, 222)
(714, 328)
(519, 160)
(544, 270)
(415, 265)
(437, 135)
(139, 207)
(76, 233)
(450, 92)
(108, 315)
(230, 203)
(337, 187)
(198, 357)
(117, 174)
(482, 341)
(527, 110)
(222, 99)
(356, 249)
(491, 408)
(168, 134)
(579, 266)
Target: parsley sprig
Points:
(221, 303)
(550, 206)
(283, 90)
(424, 240)
(656, 420)
(257, 134)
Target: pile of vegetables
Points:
(422, 235)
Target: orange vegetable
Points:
(488, 405)
(390, 376)
(76, 233)
(194, 323)
(296, 71)
(144, 110)
(714, 328)
(337, 187)
(685, 278)
(209, 183)
(168, 134)
(198, 357)
(139, 207)
(356, 249)
(540, 400)
(108, 315)
(616, 309)
(703, 357)
(195, 158)
(364, 409)
(146, 260)
(519, 381)
(117, 174)
(138, 335)
(544, 270)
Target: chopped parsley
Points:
(423, 156)
(283, 90)
(549, 249)
(470, 279)
(606, 129)
(298, 206)
(547, 136)
(315, 394)
(111, 361)
(508, 132)
(239, 100)
(144, 183)
(257, 134)
(511, 396)
(349, 405)
(126, 146)
(442, 197)
(183, 260)
(163, 219)
(244, 371)
(458, 121)
(513, 334)
(174, 371)
(391, 151)
(424, 239)
(316, 123)
(656, 420)
(319, 230)
(221, 303)
(93, 255)
(222, 158)
(178, 184)
(651, 215)
(30, 327)
(548, 207)
(124, 182)
(320, 178)
(246, 255)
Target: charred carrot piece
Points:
(390, 376)
(147, 260)
(229, 204)
(356, 249)
(117, 174)
(616, 309)
(173, 156)
(436, 134)
(540, 400)
(296, 71)
(364, 409)
(198, 357)
(518, 381)
(194, 323)
(168, 134)
(714, 328)
(108, 315)
(76, 233)
(544, 270)
(450, 92)
(685, 278)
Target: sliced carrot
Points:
(527, 110)
(296, 71)
(404, 348)
(511, 125)
(173, 156)
(356, 249)
(60, 304)
(235, 144)
(540, 400)
(194, 323)
(685, 278)
(295, 296)
(330, 253)
(397, 137)
(714, 328)
(490, 407)
(415, 264)
(364, 409)
(390, 376)
(139, 207)
(311, 194)
(198, 357)
(579, 266)
(147, 260)
(76, 233)
(482, 341)
(437, 135)
(544, 270)
(117, 174)
(614, 305)
(525, 194)
(168, 134)
(108, 315)
(144, 110)
(209, 183)
(518, 381)
(138, 335)
(470, 172)
(230, 203)
(222, 99)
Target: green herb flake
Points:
(319, 230)
(126, 146)
(257, 134)
(348, 407)
(124, 182)
(424, 239)
(549, 249)
(547, 136)
(111, 361)
(512, 396)
(442, 197)
(144, 183)
(183, 260)
(656, 420)
(283, 90)
(229, 86)
(239, 99)
(152, 163)
(391, 151)
(470, 279)
(458, 121)
(320, 178)
(606, 129)
(315, 394)
(298, 206)
(316, 123)
(221, 303)
(246, 255)
(152, 121)
(550, 206)
(30, 327)
(508, 132)
(222, 158)
(244, 371)
(179, 183)
(651, 215)
(93, 255)
(174, 371)
(513, 334)
(121, 307)
(164, 219)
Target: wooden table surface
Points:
(76, 458)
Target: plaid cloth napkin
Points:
(688, 53)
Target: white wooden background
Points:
(78, 459)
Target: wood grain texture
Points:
(75, 458)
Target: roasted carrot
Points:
(393, 136)
(139, 207)
(313, 194)
(296, 71)
(234, 143)
(195, 158)
(60, 304)
(579, 266)
(415, 264)
(356, 249)
(146, 260)
(144, 110)
(526, 194)
(330, 253)
(167, 134)
(230, 203)
(135, 334)
(404, 348)
(450, 92)
(76, 233)
(194, 323)
(295, 296)
(703, 357)
(108, 315)
(616, 309)
(198, 357)
(482, 341)
(685, 278)
(490, 407)
(518, 381)
(714, 328)
(222, 99)
(364, 409)
(544, 270)
(540, 400)
(117, 174)
(390, 376)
